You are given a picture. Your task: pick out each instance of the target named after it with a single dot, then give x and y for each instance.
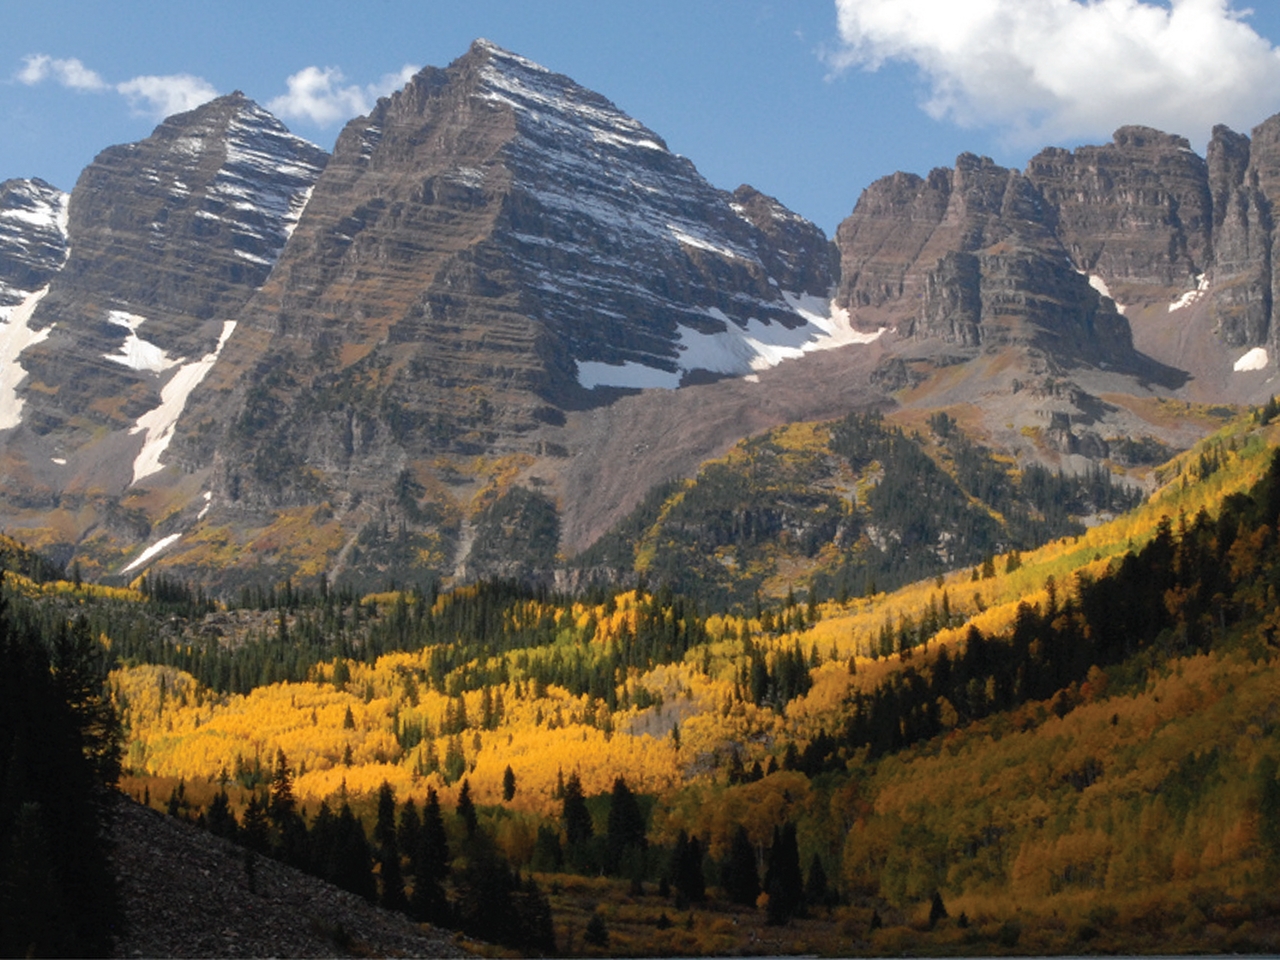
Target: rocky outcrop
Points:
(1136, 211)
(1241, 242)
(1143, 217)
(971, 257)
(33, 238)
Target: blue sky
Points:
(808, 100)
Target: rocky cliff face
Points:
(972, 257)
(1143, 218)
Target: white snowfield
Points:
(136, 353)
(1191, 296)
(157, 425)
(1255, 359)
(152, 551)
(15, 337)
(737, 350)
(1101, 286)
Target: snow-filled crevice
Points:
(16, 336)
(157, 425)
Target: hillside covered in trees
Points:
(1069, 748)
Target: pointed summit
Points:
(168, 238)
(491, 249)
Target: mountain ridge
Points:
(470, 294)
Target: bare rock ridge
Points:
(1143, 219)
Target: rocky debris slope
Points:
(187, 893)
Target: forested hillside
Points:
(846, 509)
(1061, 749)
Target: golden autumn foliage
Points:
(1139, 777)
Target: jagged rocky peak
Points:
(33, 238)
(168, 238)
(202, 208)
(501, 229)
(491, 249)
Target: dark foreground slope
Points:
(187, 893)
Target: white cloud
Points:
(38, 67)
(321, 95)
(1060, 69)
(163, 96)
(157, 97)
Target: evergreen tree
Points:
(219, 820)
(626, 829)
(31, 899)
(508, 784)
(428, 902)
(352, 859)
(467, 810)
(385, 834)
(739, 876)
(686, 869)
(256, 832)
(290, 832)
(409, 834)
(493, 903)
(597, 932)
(783, 881)
(574, 813)
(937, 910)
(816, 892)
(548, 857)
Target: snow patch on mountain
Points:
(1100, 285)
(1191, 296)
(157, 425)
(1255, 359)
(152, 551)
(136, 353)
(263, 185)
(736, 350)
(15, 336)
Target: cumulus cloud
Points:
(163, 96)
(152, 96)
(322, 96)
(39, 67)
(1061, 69)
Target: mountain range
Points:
(473, 339)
